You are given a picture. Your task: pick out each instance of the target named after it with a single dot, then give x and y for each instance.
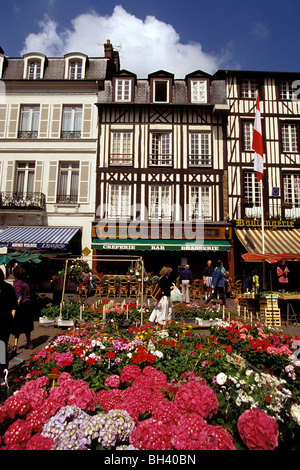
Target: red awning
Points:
(270, 257)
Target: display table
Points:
(271, 309)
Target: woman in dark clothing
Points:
(24, 317)
(8, 306)
(162, 313)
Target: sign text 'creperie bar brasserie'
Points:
(271, 224)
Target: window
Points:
(72, 119)
(200, 206)
(75, 70)
(286, 91)
(251, 201)
(247, 135)
(291, 195)
(34, 70)
(198, 91)
(24, 185)
(289, 134)
(29, 125)
(200, 150)
(121, 149)
(160, 202)
(68, 182)
(34, 66)
(249, 88)
(119, 201)
(291, 189)
(161, 91)
(123, 90)
(160, 150)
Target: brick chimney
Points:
(109, 53)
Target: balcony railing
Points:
(28, 134)
(273, 211)
(26, 201)
(200, 160)
(116, 159)
(160, 160)
(67, 198)
(71, 134)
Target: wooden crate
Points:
(270, 318)
(267, 303)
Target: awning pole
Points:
(63, 291)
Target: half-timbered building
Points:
(280, 116)
(162, 171)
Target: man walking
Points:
(186, 279)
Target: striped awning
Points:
(276, 241)
(37, 237)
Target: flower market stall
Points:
(101, 386)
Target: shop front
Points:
(159, 252)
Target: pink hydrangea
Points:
(109, 399)
(130, 373)
(17, 405)
(195, 397)
(39, 442)
(113, 381)
(82, 396)
(151, 434)
(18, 433)
(187, 431)
(258, 430)
(215, 438)
(167, 412)
(3, 414)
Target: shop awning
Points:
(20, 258)
(160, 245)
(37, 237)
(276, 241)
(271, 258)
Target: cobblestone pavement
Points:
(41, 335)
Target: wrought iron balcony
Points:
(24, 201)
(67, 198)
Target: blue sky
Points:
(178, 36)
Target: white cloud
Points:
(146, 46)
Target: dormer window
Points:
(161, 91)
(123, 90)
(198, 91)
(75, 66)
(34, 66)
(161, 87)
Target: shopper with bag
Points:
(218, 284)
(163, 311)
(186, 279)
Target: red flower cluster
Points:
(258, 430)
(143, 355)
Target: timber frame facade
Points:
(162, 157)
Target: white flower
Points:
(158, 354)
(129, 355)
(221, 378)
(295, 413)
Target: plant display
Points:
(149, 387)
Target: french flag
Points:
(257, 143)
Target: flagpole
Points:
(262, 219)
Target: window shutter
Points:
(56, 120)
(13, 121)
(2, 120)
(84, 182)
(52, 183)
(44, 120)
(38, 177)
(87, 121)
(9, 177)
